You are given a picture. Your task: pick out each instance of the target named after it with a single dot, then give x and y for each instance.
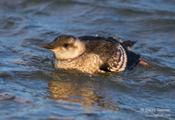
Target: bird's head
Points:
(66, 47)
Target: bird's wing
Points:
(117, 60)
(132, 58)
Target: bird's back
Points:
(100, 46)
(113, 52)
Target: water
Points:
(31, 89)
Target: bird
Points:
(93, 54)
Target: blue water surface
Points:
(31, 89)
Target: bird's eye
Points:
(66, 45)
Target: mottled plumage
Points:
(93, 54)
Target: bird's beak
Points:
(47, 46)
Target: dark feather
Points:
(104, 67)
(133, 59)
(91, 38)
(128, 43)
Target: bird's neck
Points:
(67, 63)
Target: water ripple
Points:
(26, 70)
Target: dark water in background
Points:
(30, 89)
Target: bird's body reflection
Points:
(80, 92)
